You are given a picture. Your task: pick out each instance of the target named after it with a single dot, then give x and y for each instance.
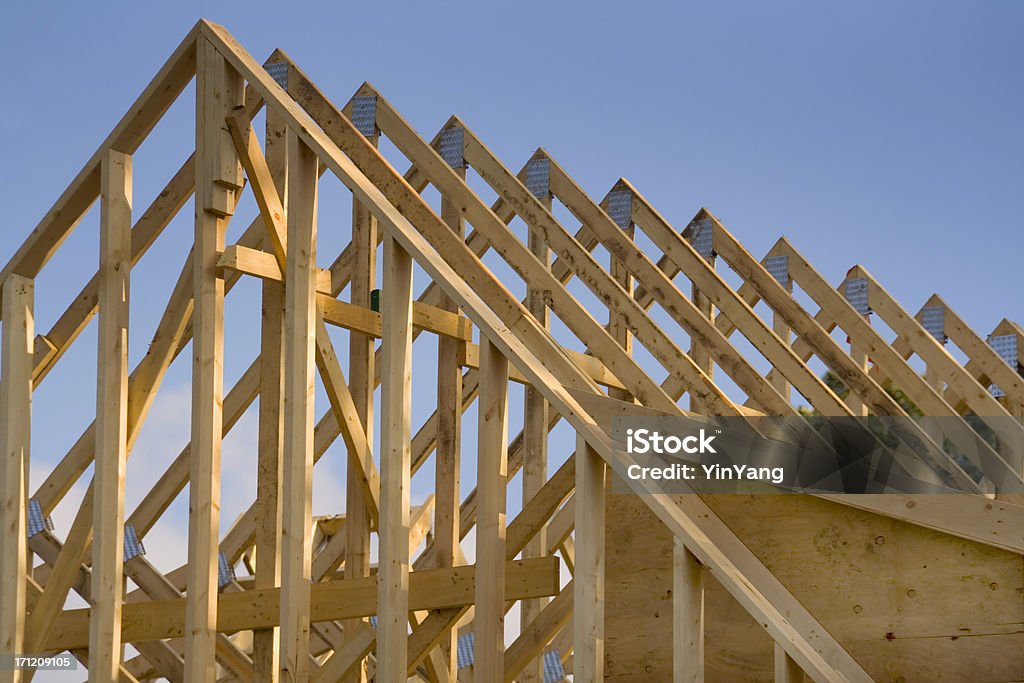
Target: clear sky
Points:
(874, 133)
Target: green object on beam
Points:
(375, 300)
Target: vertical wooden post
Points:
(363, 383)
(447, 482)
(588, 582)
(268, 476)
(786, 668)
(781, 329)
(860, 357)
(616, 326)
(16, 351)
(699, 353)
(299, 384)
(265, 653)
(111, 416)
(687, 615)
(492, 485)
(776, 378)
(396, 407)
(219, 90)
(535, 441)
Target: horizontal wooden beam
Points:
(261, 264)
(331, 600)
(340, 313)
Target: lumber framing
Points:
(312, 606)
(396, 463)
(218, 177)
(16, 349)
(298, 403)
(111, 415)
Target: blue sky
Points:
(880, 134)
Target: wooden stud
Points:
(265, 652)
(447, 459)
(396, 406)
(361, 377)
(687, 616)
(111, 417)
(492, 475)
(15, 430)
(588, 592)
(218, 90)
(536, 416)
(297, 484)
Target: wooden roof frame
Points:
(322, 633)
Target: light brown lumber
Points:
(361, 377)
(687, 615)
(536, 416)
(297, 479)
(357, 318)
(447, 458)
(126, 137)
(111, 416)
(330, 600)
(588, 580)
(715, 545)
(218, 91)
(361, 270)
(492, 476)
(262, 264)
(780, 328)
(396, 406)
(270, 444)
(15, 431)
